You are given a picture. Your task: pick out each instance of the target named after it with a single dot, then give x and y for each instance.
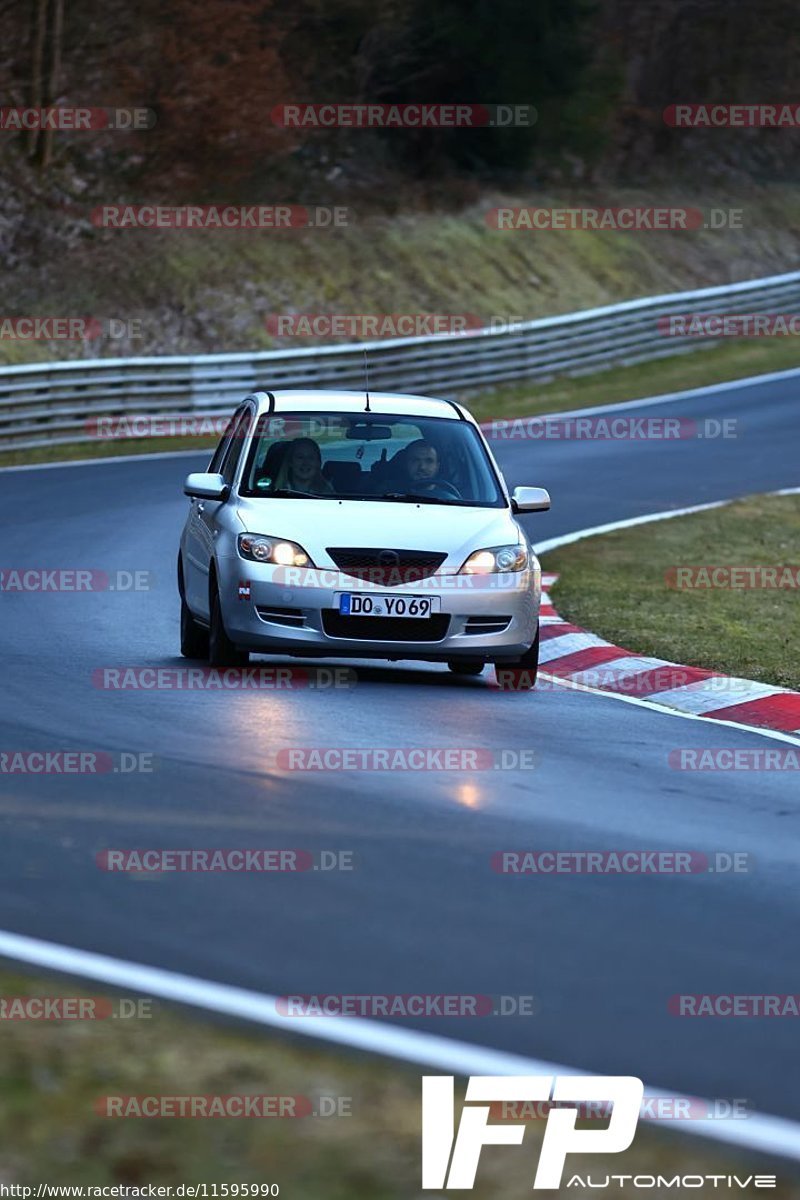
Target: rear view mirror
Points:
(201, 485)
(365, 431)
(530, 499)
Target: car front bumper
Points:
(276, 610)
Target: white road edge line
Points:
(758, 1132)
(102, 461)
(666, 398)
(763, 1133)
(567, 539)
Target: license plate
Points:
(415, 607)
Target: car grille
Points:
(386, 629)
(409, 566)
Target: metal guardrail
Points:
(59, 402)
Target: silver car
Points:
(357, 525)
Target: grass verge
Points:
(200, 291)
(719, 364)
(55, 1072)
(616, 586)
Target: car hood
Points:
(316, 525)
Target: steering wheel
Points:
(440, 486)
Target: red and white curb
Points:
(573, 654)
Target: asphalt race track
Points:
(423, 912)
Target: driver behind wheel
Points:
(421, 462)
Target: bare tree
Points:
(47, 33)
(53, 79)
(38, 35)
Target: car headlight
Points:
(497, 559)
(278, 551)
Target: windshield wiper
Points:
(286, 494)
(412, 498)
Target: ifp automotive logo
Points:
(450, 1159)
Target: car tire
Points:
(466, 666)
(194, 638)
(520, 675)
(221, 650)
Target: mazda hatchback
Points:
(342, 524)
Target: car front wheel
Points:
(221, 650)
(194, 638)
(520, 675)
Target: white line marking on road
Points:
(666, 398)
(101, 462)
(567, 539)
(763, 1133)
(760, 1132)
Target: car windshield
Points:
(370, 456)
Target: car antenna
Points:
(366, 381)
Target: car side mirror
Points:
(530, 499)
(203, 485)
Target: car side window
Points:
(235, 447)
(215, 466)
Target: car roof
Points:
(313, 400)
